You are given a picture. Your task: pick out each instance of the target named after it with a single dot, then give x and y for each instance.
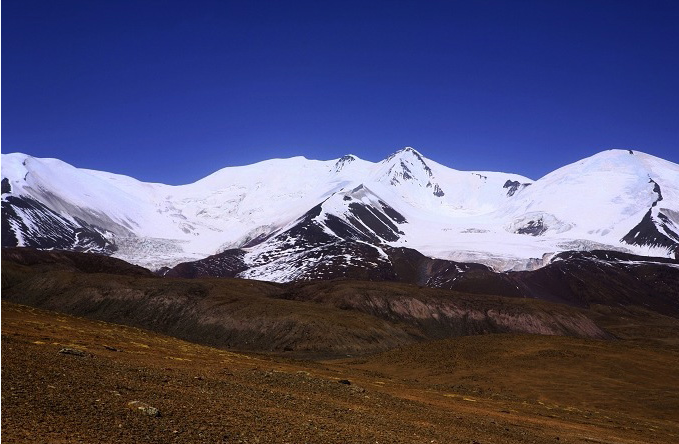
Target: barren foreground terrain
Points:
(503, 388)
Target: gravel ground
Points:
(212, 396)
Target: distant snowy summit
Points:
(279, 219)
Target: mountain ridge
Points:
(615, 200)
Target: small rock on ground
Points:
(144, 408)
(72, 351)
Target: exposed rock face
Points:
(5, 186)
(532, 227)
(343, 162)
(440, 315)
(658, 228)
(513, 186)
(41, 227)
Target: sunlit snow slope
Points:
(271, 211)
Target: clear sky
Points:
(170, 91)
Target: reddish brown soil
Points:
(493, 388)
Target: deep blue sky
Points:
(171, 91)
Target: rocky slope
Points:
(319, 318)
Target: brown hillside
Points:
(322, 318)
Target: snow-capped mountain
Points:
(286, 219)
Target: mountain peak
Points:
(407, 159)
(406, 152)
(343, 161)
(407, 165)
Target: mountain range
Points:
(438, 304)
(298, 219)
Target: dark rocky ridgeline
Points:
(646, 232)
(660, 230)
(47, 229)
(513, 186)
(374, 223)
(377, 221)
